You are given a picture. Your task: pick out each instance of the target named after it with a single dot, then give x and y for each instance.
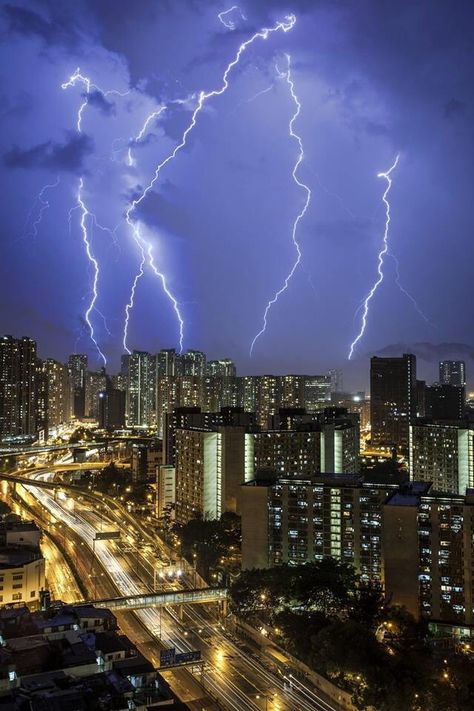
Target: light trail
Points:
(281, 26)
(234, 678)
(287, 76)
(381, 255)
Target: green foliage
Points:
(381, 655)
(207, 541)
(110, 480)
(323, 586)
(81, 434)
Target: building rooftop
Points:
(17, 556)
(19, 526)
(409, 494)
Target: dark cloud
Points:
(68, 156)
(98, 100)
(26, 22)
(429, 351)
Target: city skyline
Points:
(221, 215)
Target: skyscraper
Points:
(444, 401)
(443, 453)
(224, 367)
(18, 386)
(452, 372)
(169, 363)
(392, 400)
(317, 391)
(59, 392)
(96, 382)
(77, 365)
(141, 385)
(194, 363)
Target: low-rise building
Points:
(22, 575)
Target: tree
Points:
(208, 540)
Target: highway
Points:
(235, 673)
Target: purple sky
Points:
(374, 79)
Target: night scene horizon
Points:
(213, 178)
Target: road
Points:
(241, 677)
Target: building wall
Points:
(59, 392)
(287, 452)
(392, 400)
(401, 556)
(442, 454)
(308, 520)
(255, 523)
(18, 386)
(166, 490)
(22, 583)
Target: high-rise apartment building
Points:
(452, 372)
(428, 551)
(193, 418)
(96, 382)
(59, 392)
(141, 389)
(194, 363)
(209, 466)
(169, 363)
(300, 520)
(267, 398)
(445, 402)
(111, 411)
(224, 368)
(190, 391)
(247, 388)
(167, 398)
(306, 444)
(317, 391)
(392, 400)
(77, 365)
(292, 390)
(443, 453)
(18, 386)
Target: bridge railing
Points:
(161, 599)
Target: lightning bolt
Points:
(75, 78)
(228, 23)
(44, 205)
(287, 76)
(144, 246)
(85, 237)
(407, 293)
(131, 300)
(381, 255)
(136, 139)
(253, 98)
